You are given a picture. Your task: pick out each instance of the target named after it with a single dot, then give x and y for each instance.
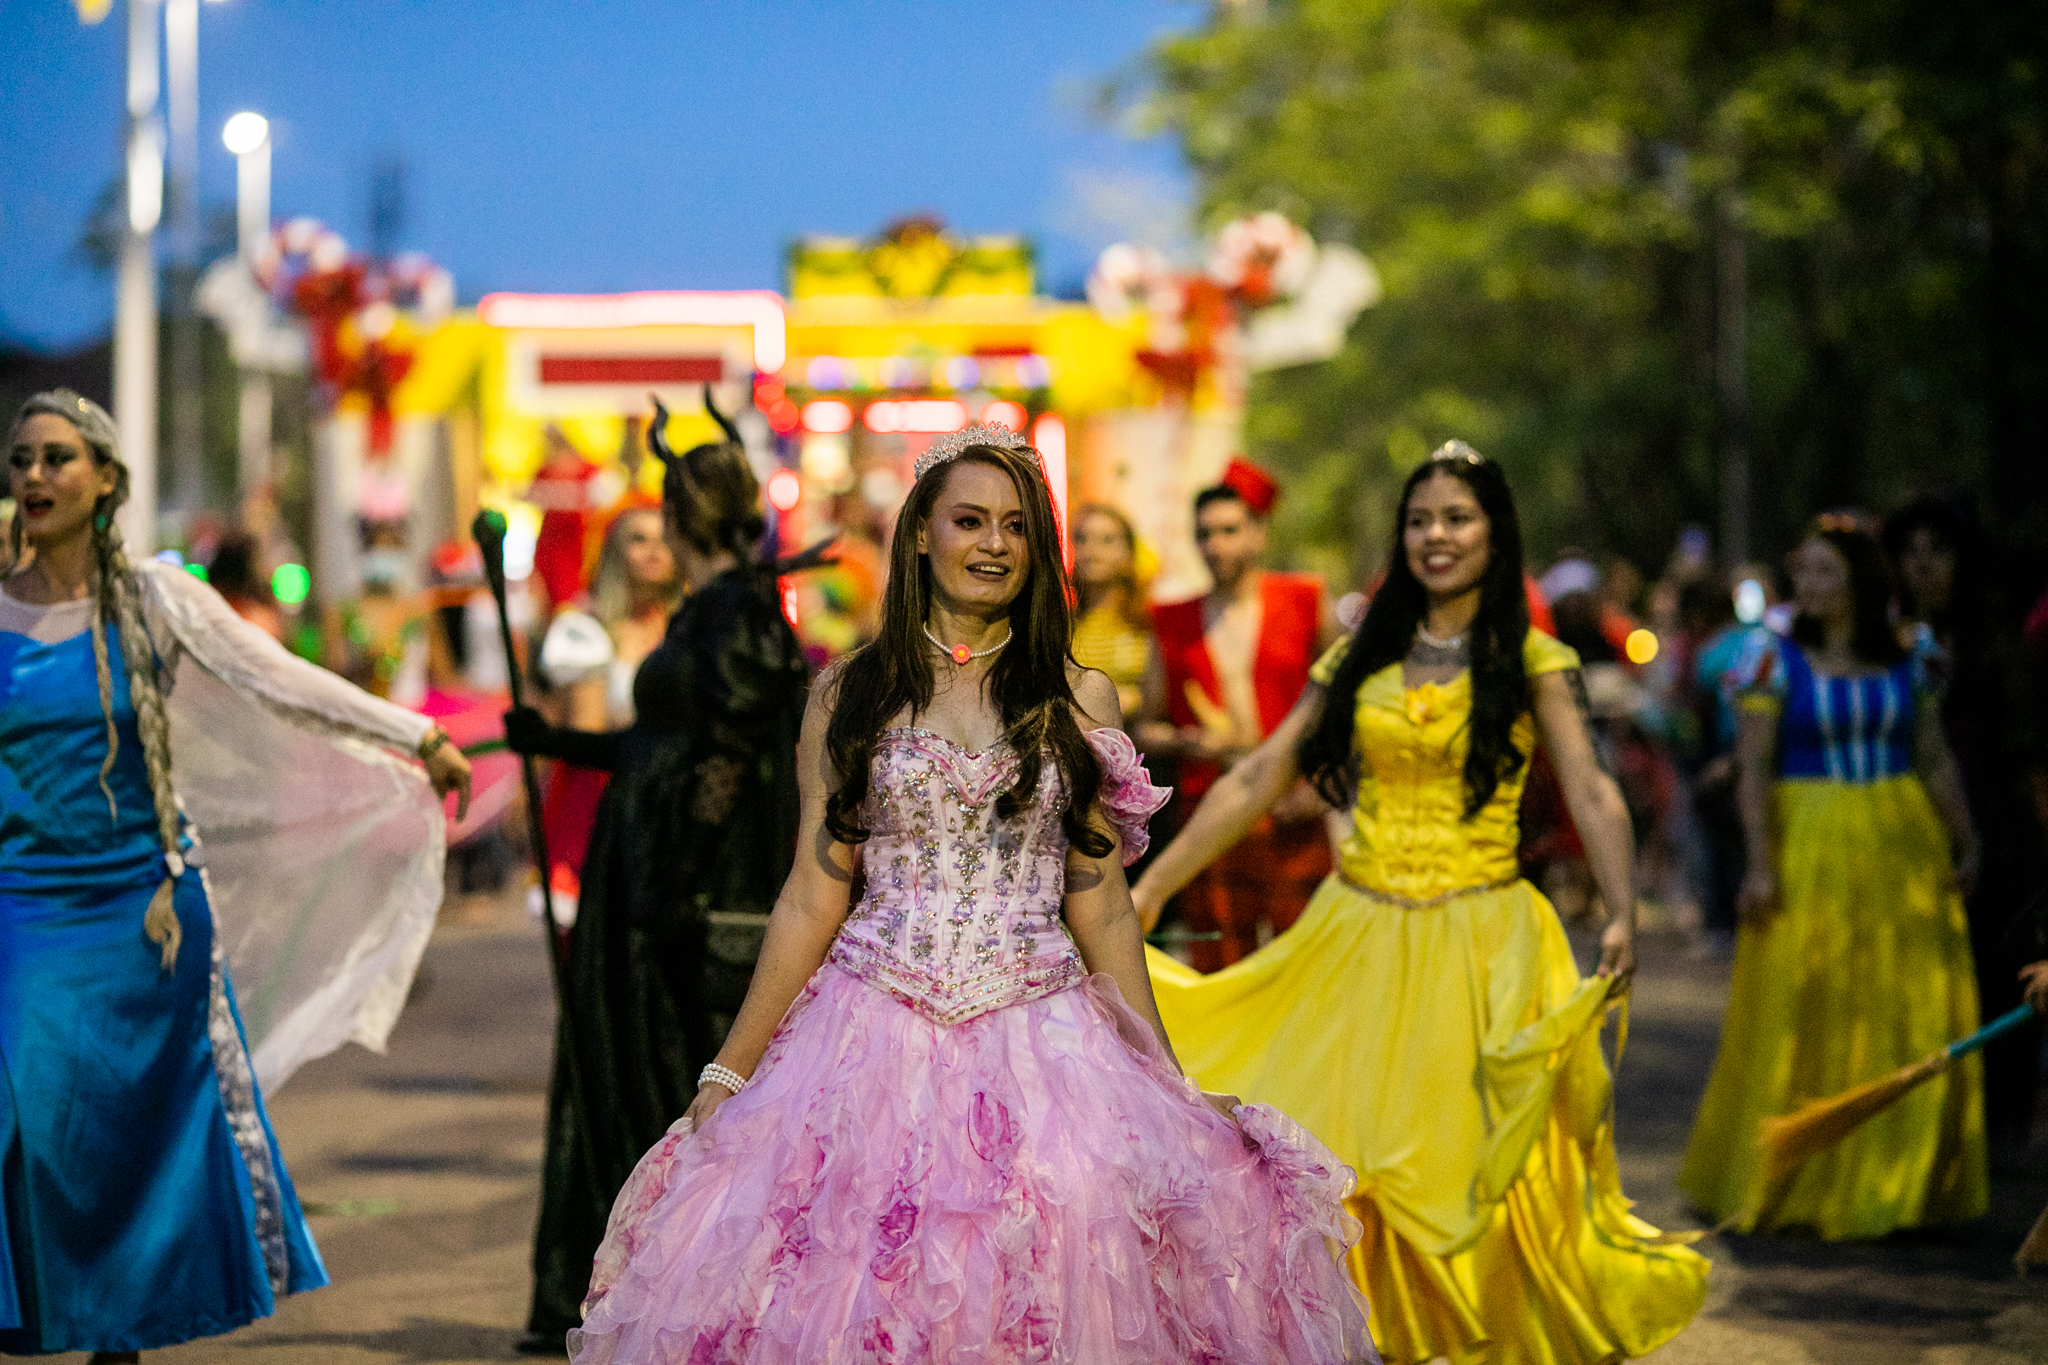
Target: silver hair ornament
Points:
(949, 446)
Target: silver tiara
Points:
(949, 446)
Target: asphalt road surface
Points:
(419, 1169)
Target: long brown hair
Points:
(611, 587)
(1028, 682)
(1128, 598)
(117, 602)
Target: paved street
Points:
(419, 1168)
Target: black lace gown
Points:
(693, 839)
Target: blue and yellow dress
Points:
(1864, 968)
(1425, 1019)
(142, 1194)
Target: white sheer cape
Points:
(323, 843)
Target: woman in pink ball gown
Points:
(947, 1126)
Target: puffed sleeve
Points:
(1127, 798)
(1544, 653)
(1757, 678)
(575, 648)
(1931, 666)
(1326, 667)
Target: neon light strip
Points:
(755, 308)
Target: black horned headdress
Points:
(657, 432)
(677, 476)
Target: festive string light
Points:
(290, 583)
(785, 489)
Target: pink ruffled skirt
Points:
(1034, 1184)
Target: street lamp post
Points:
(247, 135)
(181, 61)
(135, 308)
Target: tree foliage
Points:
(1549, 189)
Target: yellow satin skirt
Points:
(1864, 969)
(1450, 1052)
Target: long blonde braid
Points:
(117, 599)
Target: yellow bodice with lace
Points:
(1409, 837)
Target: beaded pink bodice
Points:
(962, 912)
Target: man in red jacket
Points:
(1227, 669)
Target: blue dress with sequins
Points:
(142, 1195)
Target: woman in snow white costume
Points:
(143, 1199)
(946, 1125)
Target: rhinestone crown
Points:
(950, 445)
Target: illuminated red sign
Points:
(631, 369)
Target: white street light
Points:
(247, 135)
(245, 132)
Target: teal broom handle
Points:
(2004, 1023)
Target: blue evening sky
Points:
(573, 145)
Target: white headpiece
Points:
(949, 446)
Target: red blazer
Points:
(1289, 619)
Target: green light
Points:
(291, 583)
(198, 571)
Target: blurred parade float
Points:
(536, 404)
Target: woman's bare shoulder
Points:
(1095, 699)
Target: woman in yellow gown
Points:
(1853, 957)
(1425, 1017)
(1112, 628)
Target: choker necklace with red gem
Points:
(961, 654)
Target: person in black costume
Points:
(694, 836)
(1947, 586)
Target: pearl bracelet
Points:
(721, 1075)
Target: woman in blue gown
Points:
(143, 1196)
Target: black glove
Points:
(527, 733)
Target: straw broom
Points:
(1789, 1139)
(2033, 1251)
(1817, 1125)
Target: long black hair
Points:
(1872, 637)
(1028, 682)
(1500, 681)
(1953, 524)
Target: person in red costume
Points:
(1227, 668)
(562, 491)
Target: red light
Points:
(782, 415)
(827, 415)
(1049, 434)
(1003, 413)
(785, 489)
(767, 391)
